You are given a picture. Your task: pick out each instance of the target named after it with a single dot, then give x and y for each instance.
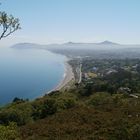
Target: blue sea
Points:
(28, 73)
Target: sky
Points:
(59, 21)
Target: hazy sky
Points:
(58, 21)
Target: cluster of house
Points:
(126, 90)
(91, 74)
(94, 71)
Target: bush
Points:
(43, 108)
(65, 103)
(135, 132)
(49, 107)
(99, 99)
(20, 114)
(9, 132)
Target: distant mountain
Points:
(108, 43)
(102, 50)
(70, 43)
(105, 45)
(26, 46)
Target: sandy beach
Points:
(67, 77)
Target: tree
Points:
(8, 24)
(18, 100)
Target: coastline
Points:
(67, 77)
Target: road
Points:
(80, 74)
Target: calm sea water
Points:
(28, 73)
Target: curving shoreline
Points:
(67, 77)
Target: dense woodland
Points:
(95, 109)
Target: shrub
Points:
(99, 99)
(21, 114)
(9, 132)
(66, 103)
(43, 108)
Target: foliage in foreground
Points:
(98, 116)
(72, 115)
(9, 132)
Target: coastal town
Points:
(110, 75)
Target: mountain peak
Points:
(106, 42)
(70, 42)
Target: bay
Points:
(28, 73)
